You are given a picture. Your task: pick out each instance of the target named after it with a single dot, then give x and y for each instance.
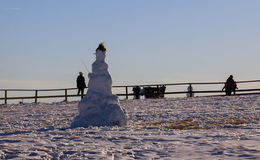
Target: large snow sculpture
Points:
(99, 107)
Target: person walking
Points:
(230, 86)
(81, 85)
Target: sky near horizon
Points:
(44, 44)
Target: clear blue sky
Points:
(43, 42)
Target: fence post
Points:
(126, 91)
(66, 95)
(158, 91)
(36, 95)
(5, 96)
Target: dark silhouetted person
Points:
(190, 91)
(230, 86)
(81, 85)
(162, 91)
(137, 91)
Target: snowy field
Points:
(193, 128)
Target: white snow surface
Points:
(99, 107)
(181, 128)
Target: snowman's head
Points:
(100, 55)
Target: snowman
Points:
(99, 107)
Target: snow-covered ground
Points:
(182, 128)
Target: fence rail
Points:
(128, 92)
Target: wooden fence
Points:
(127, 91)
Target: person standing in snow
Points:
(162, 91)
(190, 91)
(81, 85)
(136, 91)
(230, 86)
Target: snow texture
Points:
(99, 107)
(182, 128)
